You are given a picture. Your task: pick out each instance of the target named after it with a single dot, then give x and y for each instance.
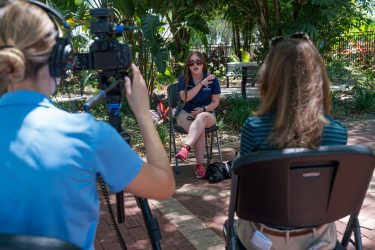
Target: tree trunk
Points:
(277, 8)
(237, 41)
(297, 4)
(263, 20)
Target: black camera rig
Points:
(112, 60)
(105, 53)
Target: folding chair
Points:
(27, 242)
(300, 188)
(174, 102)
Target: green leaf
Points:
(125, 7)
(160, 57)
(198, 23)
(150, 26)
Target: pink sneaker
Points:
(183, 154)
(200, 171)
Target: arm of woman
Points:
(215, 101)
(191, 93)
(155, 179)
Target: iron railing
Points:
(354, 46)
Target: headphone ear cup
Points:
(61, 57)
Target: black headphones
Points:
(62, 56)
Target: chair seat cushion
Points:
(179, 129)
(212, 129)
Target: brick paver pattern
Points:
(194, 217)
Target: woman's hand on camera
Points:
(137, 93)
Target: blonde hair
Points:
(294, 86)
(27, 36)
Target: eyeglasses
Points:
(195, 62)
(298, 35)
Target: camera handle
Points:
(153, 230)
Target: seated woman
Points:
(200, 92)
(294, 112)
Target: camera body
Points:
(105, 53)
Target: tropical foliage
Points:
(162, 32)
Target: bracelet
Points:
(201, 84)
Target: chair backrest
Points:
(173, 96)
(27, 242)
(302, 187)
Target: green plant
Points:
(163, 131)
(340, 72)
(341, 104)
(233, 111)
(364, 100)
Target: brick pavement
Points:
(193, 218)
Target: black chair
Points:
(300, 188)
(27, 242)
(174, 102)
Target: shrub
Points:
(233, 111)
(364, 100)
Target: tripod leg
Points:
(120, 207)
(151, 223)
(116, 229)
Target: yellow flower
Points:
(70, 21)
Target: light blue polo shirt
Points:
(49, 160)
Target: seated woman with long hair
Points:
(295, 111)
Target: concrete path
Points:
(194, 217)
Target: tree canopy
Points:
(166, 30)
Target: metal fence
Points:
(222, 50)
(356, 47)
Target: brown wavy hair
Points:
(294, 86)
(187, 73)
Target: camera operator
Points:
(49, 158)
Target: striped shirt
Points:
(256, 130)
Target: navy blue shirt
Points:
(204, 96)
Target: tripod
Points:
(112, 93)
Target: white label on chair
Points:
(261, 241)
(311, 174)
(319, 245)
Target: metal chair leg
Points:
(348, 231)
(211, 146)
(218, 145)
(177, 170)
(170, 144)
(207, 152)
(357, 235)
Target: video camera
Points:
(105, 53)
(110, 58)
